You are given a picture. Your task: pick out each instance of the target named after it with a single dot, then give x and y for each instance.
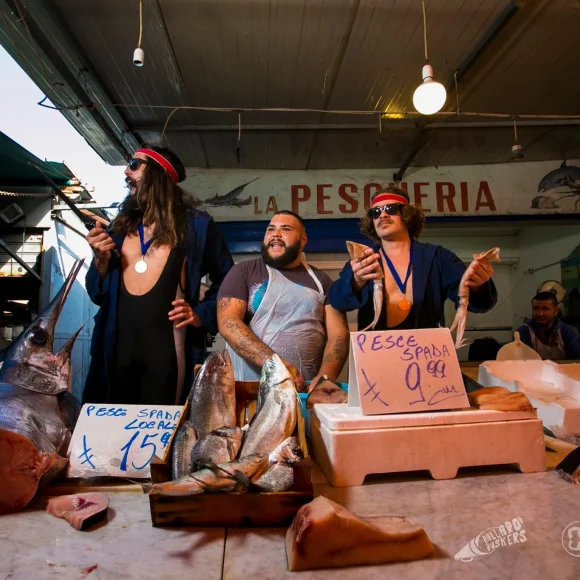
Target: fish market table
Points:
(35, 545)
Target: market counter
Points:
(37, 546)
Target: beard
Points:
(131, 208)
(290, 254)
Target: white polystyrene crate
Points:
(554, 390)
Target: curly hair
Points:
(160, 201)
(412, 216)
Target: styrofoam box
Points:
(553, 389)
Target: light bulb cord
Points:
(425, 30)
(140, 23)
(515, 131)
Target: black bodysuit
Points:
(145, 370)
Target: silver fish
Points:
(219, 446)
(181, 449)
(218, 478)
(357, 252)
(213, 395)
(276, 418)
(463, 295)
(564, 175)
(280, 474)
(37, 413)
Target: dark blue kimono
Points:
(436, 276)
(206, 253)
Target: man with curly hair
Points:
(417, 277)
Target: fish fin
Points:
(242, 479)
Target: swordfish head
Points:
(29, 362)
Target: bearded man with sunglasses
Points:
(151, 327)
(418, 277)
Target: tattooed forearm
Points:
(238, 335)
(336, 351)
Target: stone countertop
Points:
(37, 546)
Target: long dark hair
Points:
(158, 200)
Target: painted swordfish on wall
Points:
(37, 410)
(231, 198)
(564, 176)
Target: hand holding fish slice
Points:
(463, 294)
(372, 271)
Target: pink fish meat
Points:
(461, 314)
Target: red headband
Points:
(393, 197)
(162, 161)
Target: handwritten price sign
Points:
(405, 371)
(113, 440)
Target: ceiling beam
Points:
(38, 39)
(335, 70)
(390, 126)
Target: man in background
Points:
(551, 338)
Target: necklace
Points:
(404, 304)
(141, 265)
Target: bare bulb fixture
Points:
(517, 151)
(430, 96)
(139, 53)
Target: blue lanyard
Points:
(402, 285)
(144, 246)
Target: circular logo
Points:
(571, 539)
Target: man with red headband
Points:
(418, 277)
(146, 274)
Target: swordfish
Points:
(37, 410)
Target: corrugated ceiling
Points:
(328, 54)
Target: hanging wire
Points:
(425, 30)
(140, 23)
(456, 91)
(239, 136)
(380, 122)
(168, 119)
(515, 132)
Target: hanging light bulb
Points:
(429, 97)
(139, 53)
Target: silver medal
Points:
(141, 266)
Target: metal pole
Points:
(16, 257)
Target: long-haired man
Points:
(145, 276)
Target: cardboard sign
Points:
(405, 371)
(120, 440)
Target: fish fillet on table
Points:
(357, 252)
(37, 410)
(460, 319)
(327, 535)
(81, 511)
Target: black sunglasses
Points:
(391, 209)
(135, 163)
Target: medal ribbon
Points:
(144, 246)
(402, 285)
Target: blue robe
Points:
(436, 276)
(206, 253)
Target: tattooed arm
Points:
(230, 314)
(336, 350)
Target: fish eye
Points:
(39, 337)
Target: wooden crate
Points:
(234, 508)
